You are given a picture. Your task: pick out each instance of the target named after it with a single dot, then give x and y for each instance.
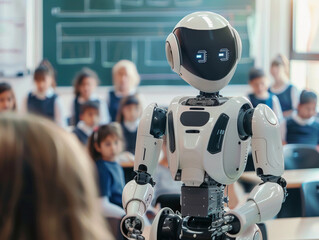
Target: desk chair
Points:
(300, 156)
(310, 199)
(169, 200)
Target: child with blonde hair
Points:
(47, 188)
(43, 100)
(125, 81)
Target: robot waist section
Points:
(172, 227)
(207, 201)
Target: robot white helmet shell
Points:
(204, 50)
(203, 21)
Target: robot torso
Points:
(205, 139)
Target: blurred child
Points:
(89, 118)
(47, 188)
(7, 98)
(128, 116)
(287, 94)
(302, 127)
(259, 84)
(105, 144)
(125, 81)
(43, 100)
(85, 84)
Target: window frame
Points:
(294, 55)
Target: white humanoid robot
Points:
(207, 143)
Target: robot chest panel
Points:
(205, 139)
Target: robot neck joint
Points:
(206, 99)
(209, 95)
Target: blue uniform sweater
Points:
(43, 107)
(111, 181)
(304, 134)
(285, 99)
(130, 139)
(113, 105)
(81, 135)
(255, 101)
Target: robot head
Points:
(204, 50)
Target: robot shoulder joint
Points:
(158, 125)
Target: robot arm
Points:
(138, 193)
(265, 200)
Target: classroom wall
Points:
(97, 34)
(273, 22)
(272, 38)
(34, 36)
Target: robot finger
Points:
(221, 230)
(136, 236)
(222, 221)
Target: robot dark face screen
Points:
(209, 54)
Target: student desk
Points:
(293, 228)
(294, 178)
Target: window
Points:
(304, 50)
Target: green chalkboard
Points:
(98, 33)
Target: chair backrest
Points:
(300, 156)
(310, 199)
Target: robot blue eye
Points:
(201, 56)
(223, 54)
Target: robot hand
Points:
(222, 225)
(132, 227)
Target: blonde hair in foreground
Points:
(47, 188)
